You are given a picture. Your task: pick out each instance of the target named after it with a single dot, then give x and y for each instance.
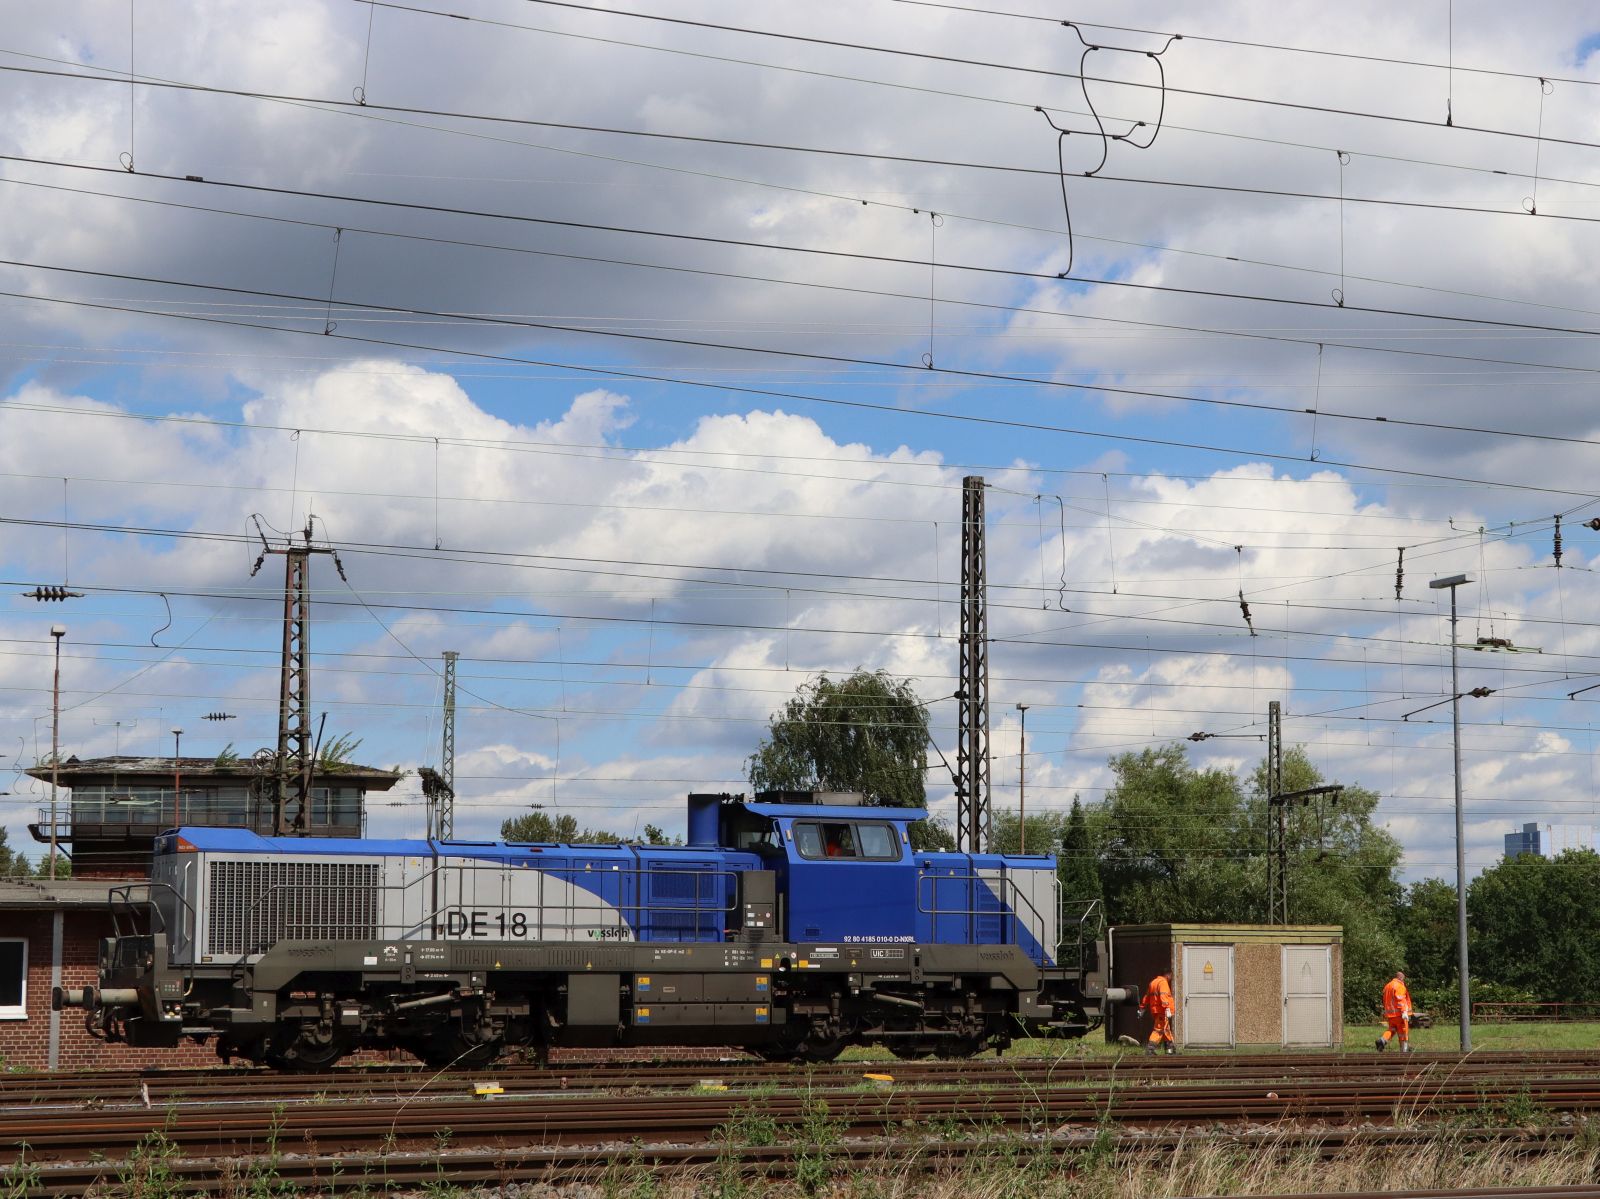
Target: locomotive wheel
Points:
(951, 1048)
(811, 1047)
(453, 1051)
(295, 1053)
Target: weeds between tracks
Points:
(1017, 1168)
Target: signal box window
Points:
(13, 980)
(849, 840)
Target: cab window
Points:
(849, 840)
(747, 831)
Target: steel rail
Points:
(497, 1167)
(225, 1084)
(59, 1134)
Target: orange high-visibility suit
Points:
(1158, 1002)
(1396, 1011)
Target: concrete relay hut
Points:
(1232, 985)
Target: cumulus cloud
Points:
(480, 409)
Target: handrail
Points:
(1089, 924)
(1009, 912)
(124, 896)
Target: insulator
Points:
(1558, 539)
(218, 716)
(52, 594)
(1400, 572)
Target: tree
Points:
(12, 863)
(1427, 925)
(1534, 925)
(1175, 844)
(1079, 869)
(540, 826)
(866, 733)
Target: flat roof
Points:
(136, 770)
(48, 894)
(1213, 934)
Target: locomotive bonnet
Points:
(790, 925)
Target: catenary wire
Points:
(919, 368)
(733, 389)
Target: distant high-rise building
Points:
(1527, 841)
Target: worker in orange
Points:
(1158, 1006)
(1396, 1013)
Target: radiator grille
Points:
(252, 905)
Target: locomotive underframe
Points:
(304, 1004)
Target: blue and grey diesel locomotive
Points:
(789, 925)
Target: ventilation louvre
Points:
(253, 905)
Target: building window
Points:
(13, 979)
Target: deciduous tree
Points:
(1535, 926)
(540, 826)
(866, 733)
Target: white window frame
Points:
(17, 1011)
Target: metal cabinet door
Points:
(1207, 1016)
(1307, 995)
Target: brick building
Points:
(106, 817)
(50, 936)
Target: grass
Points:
(1443, 1037)
(1014, 1168)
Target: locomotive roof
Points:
(240, 840)
(818, 811)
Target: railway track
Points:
(492, 1168)
(223, 1085)
(54, 1133)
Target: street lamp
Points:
(1022, 784)
(58, 631)
(177, 778)
(1450, 584)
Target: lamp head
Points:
(1452, 581)
(58, 631)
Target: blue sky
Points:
(652, 567)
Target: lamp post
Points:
(58, 631)
(177, 778)
(1450, 584)
(1022, 784)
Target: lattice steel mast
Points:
(445, 820)
(1277, 838)
(972, 739)
(293, 762)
